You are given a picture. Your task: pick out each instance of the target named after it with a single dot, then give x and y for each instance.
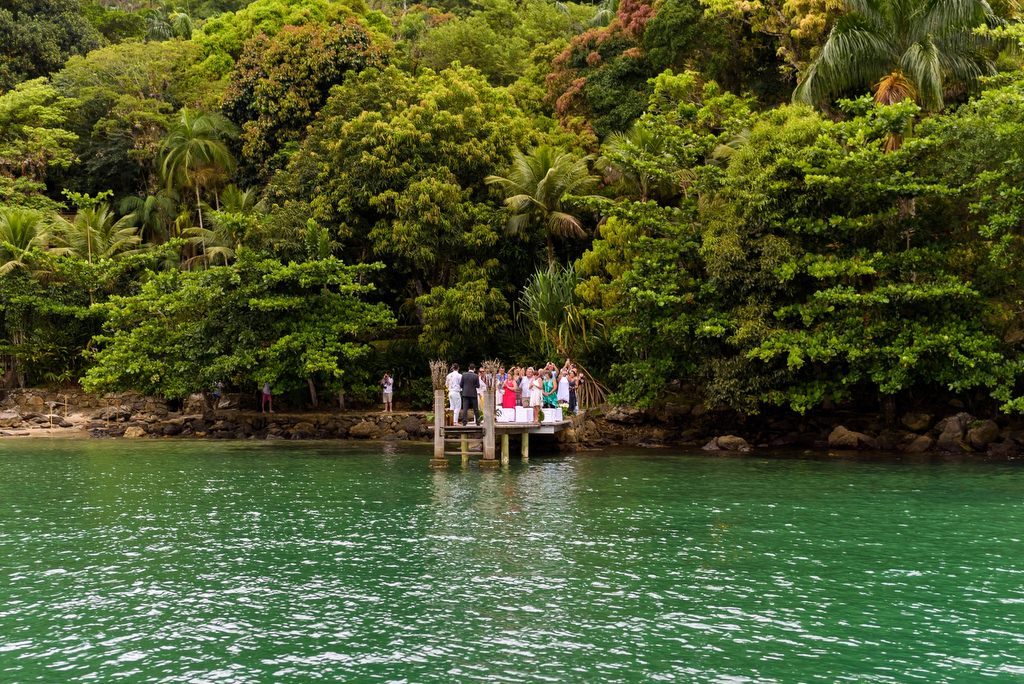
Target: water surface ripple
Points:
(240, 562)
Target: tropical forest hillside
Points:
(793, 203)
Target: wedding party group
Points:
(547, 387)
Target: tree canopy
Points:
(765, 205)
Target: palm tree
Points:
(97, 233)
(549, 310)
(153, 214)
(164, 25)
(23, 232)
(604, 12)
(536, 187)
(181, 25)
(238, 201)
(642, 159)
(230, 225)
(903, 49)
(195, 153)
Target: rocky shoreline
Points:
(32, 412)
(75, 413)
(914, 432)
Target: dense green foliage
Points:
(307, 193)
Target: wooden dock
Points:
(466, 441)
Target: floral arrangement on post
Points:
(488, 370)
(438, 372)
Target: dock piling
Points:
(439, 460)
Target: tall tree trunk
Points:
(312, 392)
(199, 211)
(199, 206)
(551, 253)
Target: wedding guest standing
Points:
(536, 395)
(453, 383)
(573, 384)
(511, 389)
(563, 387)
(550, 390)
(526, 385)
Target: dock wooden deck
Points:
(481, 440)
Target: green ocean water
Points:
(242, 562)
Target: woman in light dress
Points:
(536, 395)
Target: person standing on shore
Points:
(470, 387)
(388, 384)
(267, 399)
(453, 383)
(218, 394)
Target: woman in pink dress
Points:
(508, 397)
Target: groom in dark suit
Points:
(470, 384)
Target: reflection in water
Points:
(185, 561)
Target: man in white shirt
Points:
(453, 381)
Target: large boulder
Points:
(9, 419)
(1003, 449)
(625, 415)
(733, 443)
(303, 430)
(412, 425)
(951, 433)
(727, 443)
(172, 429)
(916, 422)
(982, 433)
(364, 430)
(196, 403)
(33, 402)
(842, 438)
(134, 432)
(920, 444)
(115, 413)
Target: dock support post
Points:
(504, 449)
(464, 448)
(525, 447)
(439, 460)
(489, 461)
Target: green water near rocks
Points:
(242, 562)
